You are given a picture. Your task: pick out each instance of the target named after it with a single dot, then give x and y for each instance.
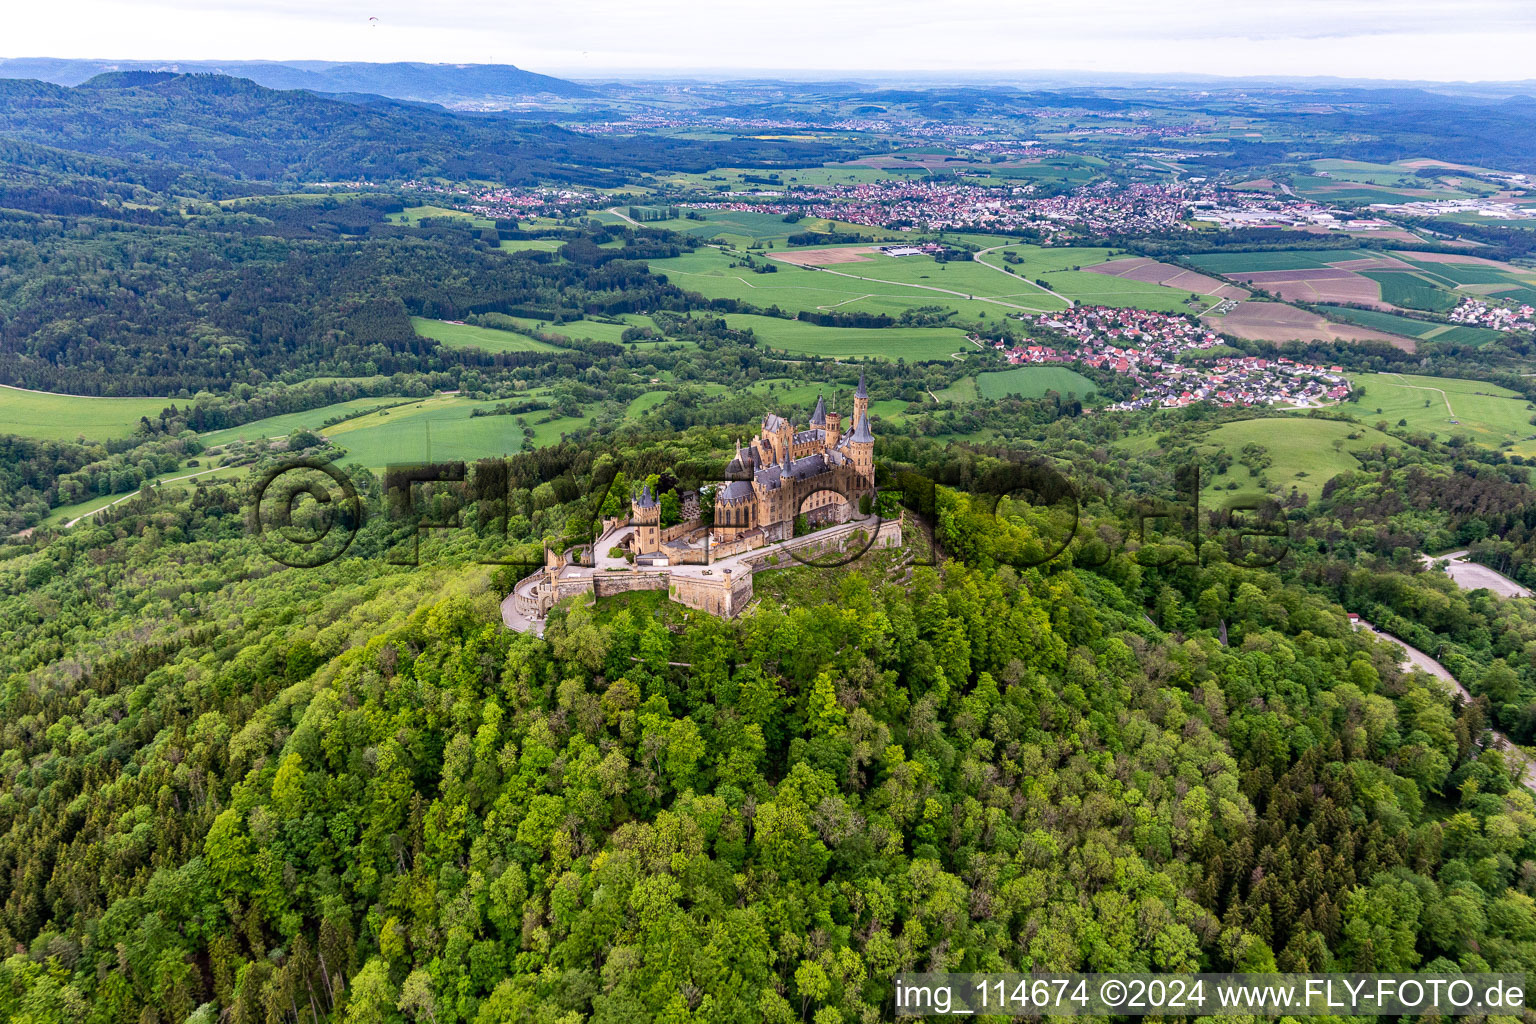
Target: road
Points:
(624, 217)
(1420, 387)
(1415, 658)
(1471, 575)
(135, 494)
(935, 288)
(1001, 270)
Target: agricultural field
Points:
(487, 339)
(54, 417)
(1276, 321)
(1034, 382)
(797, 337)
(1411, 291)
(1386, 282)
(1303, 453)
(1483, 412)
(1422, 330)
(878, 286)
(1230, 263)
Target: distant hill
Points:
(483, 86)
(236, 128)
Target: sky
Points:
(1445, 40)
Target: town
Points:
(1152, 347)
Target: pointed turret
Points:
(863, 392)
(861, 433)
(819, 417)
(860, 402)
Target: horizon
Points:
(1490, 41)
(1075, 77)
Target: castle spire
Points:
(863, 392)
(819, 417)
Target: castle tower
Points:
(833, 425)
(860, 402)
(646, 514)
(861, 448)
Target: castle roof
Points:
(736, 490)
(861, 434)
(819, 417)
(863, 392)
(772, 423)
(645, 500)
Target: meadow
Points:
(531, 244)
(487, 339)
(287, 423)
(54, 417)
(414, 215)
(441, 428)
(1484, 412)
(1304, 454)
(797, 337)
(1034, 382)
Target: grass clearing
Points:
(414, 215)
(1303, 454)
(487, 339)
(1484, 412)
(286, 423)
(1033, 382)
(53, 417)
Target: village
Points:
(1148, 347)
(1481, 313)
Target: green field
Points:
(486, 339)
(531, 244)
(1411, 291)
(66, 417)
(1033, 382)
(441, 428)
(1484, 412)
(914, 344)
(1304, 454)
(881, 285)
(1410, 328)
(414, 215)
(1283, 259)
(287, 423)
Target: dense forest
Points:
(236, 128)
(348, 793)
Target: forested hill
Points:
(243, 793)
(234, 127)
(406, 80)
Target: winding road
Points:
(1417, 659)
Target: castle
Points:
(820, 473)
